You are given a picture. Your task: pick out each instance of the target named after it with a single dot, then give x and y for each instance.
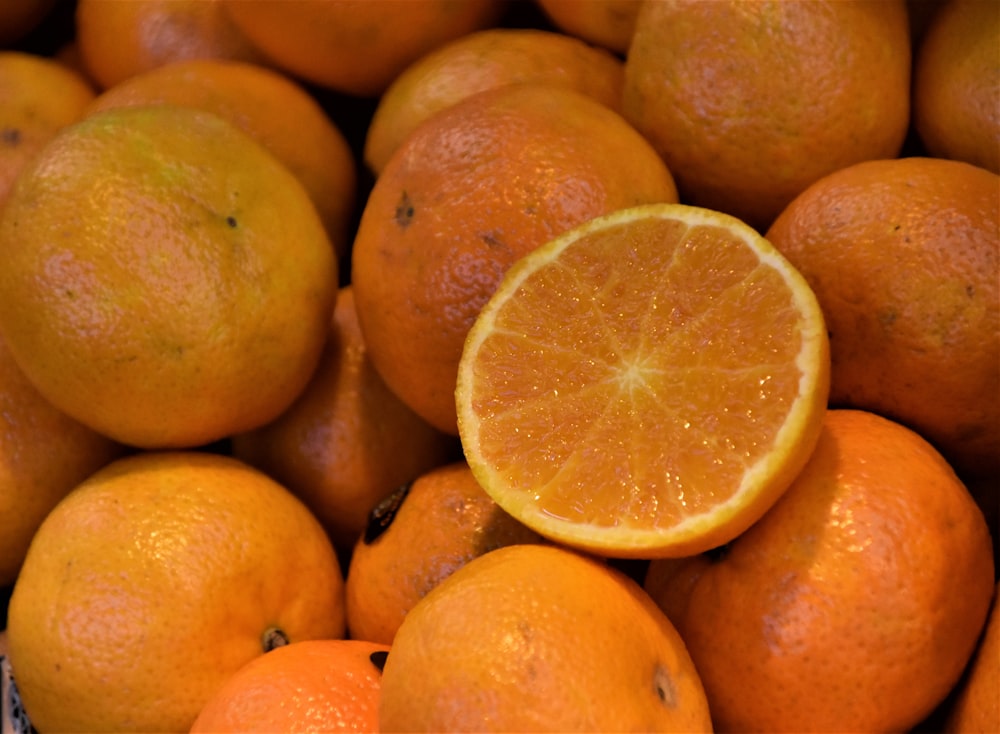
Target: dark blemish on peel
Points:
(404, 211)
(492, 240)
(231, 221)
(382, 515)
(664, 686)
(10, 136)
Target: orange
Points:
(274, 110)
(478, 185)
(646, 384)
(313, 685)
(38, 97)
(956, 93)
(976, 707)
(904, 256)
(165, 281)
(538, 638)
(347, 441)
(118, 40)
(416, 538)
(485, 60)
(605, 23)
(853, 604)
(750, 102)
(43, 455)
(18, 18)
(356, 46)
(154, 581)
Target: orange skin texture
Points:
(486, 60)
(43, 455)
(38, 97)
(445, 520)
(976, 707)
(956, 94)
(474, 188)
(355, 46)
(118, 40)
(749, 103)
(539, 638)
(271, 108)
(348, 441)
(313, 685)
(157, 579)
(183, 298)
(605, 23)
(904, 257)
(853, 604)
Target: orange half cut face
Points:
(646, 384)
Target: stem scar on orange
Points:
(646, 384)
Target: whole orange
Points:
(43, 455)
(904, 256)
(154, 581)
(165, 280)
(853, 604)
(118, 40)
(956, 92)
(347, 441)
(605, 23)
(976, 707)
(312, 685)
(355, 46)
(539, 638)
(750, 102)
(271, 108)
(416, 538)
(478, 185)
(485, 60)
(38, 97)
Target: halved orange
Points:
(645, 385)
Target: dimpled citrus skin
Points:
(347, 441)
(43, 454)
(312, 685)
(165, 281)
(956, 93)
(355, 46)
(472, 189)
(903, 256)
(271, 108)
(117, 40)
(38, 97)
(750, 102)
(539, 638)
(485, 60)
(853, 604)
(420, 535)
(154, 581)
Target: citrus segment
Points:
(646, 384)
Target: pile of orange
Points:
(619, 365)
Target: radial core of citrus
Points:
(647, 384)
